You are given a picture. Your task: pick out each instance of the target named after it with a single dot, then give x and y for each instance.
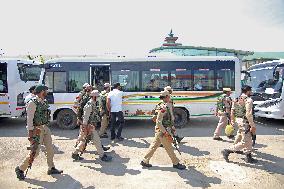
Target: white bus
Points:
(196, 81)
(16, 77)
(266, 80)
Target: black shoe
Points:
(77, 157)
(239, 152)
(179, 139)
(120, 138)
(145, 164)
(54, 171)
(106, 158)
(19, 173)
(231, 136)
(249, 159)
(226, 154)
(161, 145)
(217, 138)
(179, 166)
(112, 138)
(105, 148)
(104, 135)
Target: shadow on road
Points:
(192, 150)
(266, 162)
(196, 127)
(117, 167)
(62, 181)
(191, 176)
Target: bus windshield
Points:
(29, 72)
(258, 78)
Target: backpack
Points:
(82, 103)
(220, 103)
(240, 107)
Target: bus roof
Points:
(268, 64)
(141, 59)
(20, 60)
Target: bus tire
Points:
(181, 117)
(66, 119)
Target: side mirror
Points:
(276, 76)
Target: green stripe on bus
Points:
(183, 98)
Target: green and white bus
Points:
(196, 81)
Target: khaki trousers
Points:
(245, 143)
(104, 124)
(223, 121)
(46, 140)
(159, 138)
(238, 136)
(95, 139)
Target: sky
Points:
(89, 27)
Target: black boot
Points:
(249, 159)
(54, 171)
(19, 173)
(145, 164)
(179, 166)
(105, 148)
(179, 139)
(77, 157)
(226, 154)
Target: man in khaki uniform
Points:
(162, 133)
(104, 111)
(243, 114)
(223, 111)
(90, 119)
(171, 107)
(37, 120)
(79, 103)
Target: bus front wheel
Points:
(181, 117)
(66, 119)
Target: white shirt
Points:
(27, 98)
(115, 97)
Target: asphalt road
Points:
(205, 166)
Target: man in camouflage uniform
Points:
(37, 119)
(81, 99)
(243, 113)
(223, 111)
(171, 107)
(90, 119)
(104, 111)
(87, 88)
(163, 133)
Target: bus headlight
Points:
(20, 100)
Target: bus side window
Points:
(59, 79)
(225, 79)
(129, 80)
(3, 78)
(76, 80)
(204, 80)
(181, 80)
(56, 81)
(154, 80)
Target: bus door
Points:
(278, 75)
(4, 99)
(99, 75)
